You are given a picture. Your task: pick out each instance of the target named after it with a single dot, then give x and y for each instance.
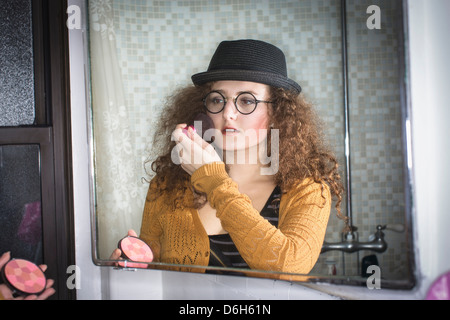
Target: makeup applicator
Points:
(201, 123)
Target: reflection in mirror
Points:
(20, 198)
(144, 51)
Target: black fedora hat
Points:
(248, 60)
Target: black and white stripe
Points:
(223, 250)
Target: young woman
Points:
(259, 196)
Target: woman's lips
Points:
(230, 131)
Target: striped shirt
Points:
(223, 250)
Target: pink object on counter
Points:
(24, 277)
(135, 249)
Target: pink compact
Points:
(134, 249)
(24, 277)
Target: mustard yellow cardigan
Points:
(178, 237)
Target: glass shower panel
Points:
(20, 202)
(17, 99)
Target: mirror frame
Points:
(407, 283)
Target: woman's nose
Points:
(230, 111)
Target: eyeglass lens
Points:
(244, 102)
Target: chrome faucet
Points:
(351, 244)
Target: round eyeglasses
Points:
(245, 102)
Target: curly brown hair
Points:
(302, 151)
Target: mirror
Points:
(141, 51)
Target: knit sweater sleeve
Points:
(151, 228)
(294, 246)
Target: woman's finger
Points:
(116, 255)
(132, 233)
(4, 259)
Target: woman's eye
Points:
(217, 100)
(246, 101)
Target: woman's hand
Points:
(117, 255)
(7, 294)
(191, 151)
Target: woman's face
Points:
(239, 131)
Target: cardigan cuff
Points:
(209, 176)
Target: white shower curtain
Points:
(117, 180)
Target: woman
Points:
(259, 196)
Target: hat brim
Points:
(268, 78)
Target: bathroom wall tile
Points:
(162, 43)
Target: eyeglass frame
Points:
(234, 101)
